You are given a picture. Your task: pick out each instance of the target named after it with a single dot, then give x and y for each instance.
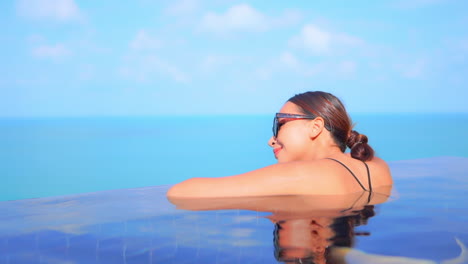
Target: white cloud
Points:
(290, 60)
(284, 62)
(287, 62)
(244, 18)
(237, 18)
(347, 40)
(143, 62)
(183, 7)
(56, 51)
(144, 41)
(61, 10)
(174, 72)
(313, 39)
(318, 41)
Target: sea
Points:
(93, 190)
(46, 157)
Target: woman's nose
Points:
(272, 142)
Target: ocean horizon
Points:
(43, 157)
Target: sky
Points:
(67, 58)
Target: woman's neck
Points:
(324, 147)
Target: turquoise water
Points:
(49, 157)
(70, 159)
(423, 222)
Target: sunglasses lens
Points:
(275, 126)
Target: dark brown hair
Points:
(337, 121)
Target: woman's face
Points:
(301, 238)
(292, 141)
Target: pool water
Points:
(424, 219)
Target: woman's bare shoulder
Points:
(380, 172)
(299, 177)
(378, 161)
(378, 164)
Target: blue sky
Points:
(190, 57)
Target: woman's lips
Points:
(276, 150)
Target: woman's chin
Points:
(282, 160)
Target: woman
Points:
(310, 136)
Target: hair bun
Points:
(359, 147)
(356, 138)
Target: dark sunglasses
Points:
(286, 118)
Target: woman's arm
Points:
(315, 205)
(265, 181)
(277, 179)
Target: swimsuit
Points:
(368, 175)
(362, 186)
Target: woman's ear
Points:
(316, 127)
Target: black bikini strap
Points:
(362, 186)
(368, 177)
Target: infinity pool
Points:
(424, 219)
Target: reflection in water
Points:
(306, 228)
(311, 240)
(137, 226)
(317, 229)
